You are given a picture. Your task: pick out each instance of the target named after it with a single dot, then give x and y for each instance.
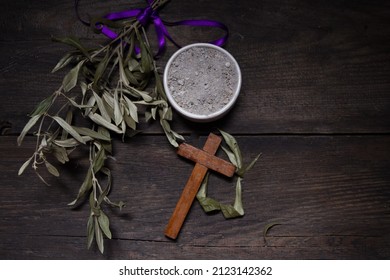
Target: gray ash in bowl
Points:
(202, 80)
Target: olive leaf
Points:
(209, 204)
(92, 133)
(43, 106)
(114, 81)
(69, 129)
(104, 224)
(99, 235)
(90, 231)
(232, 143)
(74, 42)
(33, 120)
(101, 121)
(70, 80)
(24, 165)
(51, 169)
(64, 61)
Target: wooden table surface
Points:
(315, 101)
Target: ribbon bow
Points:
(150, 15)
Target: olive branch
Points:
(111, 87)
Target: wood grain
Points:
(314, 100)
(307, 67)
(330, 194)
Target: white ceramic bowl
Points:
(217, 114)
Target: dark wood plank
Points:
(330, 194)
(307, 67)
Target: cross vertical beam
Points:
(204, 160)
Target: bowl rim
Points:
(196, 117)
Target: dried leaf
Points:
(101, 68)
(90, 104)
(104, 224)
(118, 115)
(64, 61)
(267, 227)
(238, 200)
(51, 169)
(246, 169)
(130, 122)
(99, 236)
(101, 121)
(99, 160)
(68, 119)
(70, 80)
(74, 42)
(33, 120)
(101, 107)
(43, 106)
(208, 204)
(232, 143)
(24, 166)
(69, 129)
(86, 186)
(93, 134)
(139, 93)
(133, 110)
(122, 74)
(71, 143)
(230, 155)
(106, 145)
(90, 231)
(60, 154)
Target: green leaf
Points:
(60, 154)
(93, 134)
(71, 143)
(122, 74)
(118, 115)
(230, 155)
(69, 129)
(101, 121)
(74, 42)
(133, 110)
(232, 143)
(139, 93)
(106, 145)
(99, 236)
(238, 200)
(101, 107)
(246, 169)
(86, 186)
(208, 204)
(130, 122)
(24, 166)
(70, 80)
(98, 161)
(43, 106)
(104, 223)
(68, 119)
(32, 121)
(168, 132)
(101, 68)
(64, 61)
(51, 169)
(146, 63)
(90, 231)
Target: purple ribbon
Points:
(149, 15)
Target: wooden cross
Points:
(205, 160)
